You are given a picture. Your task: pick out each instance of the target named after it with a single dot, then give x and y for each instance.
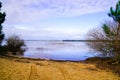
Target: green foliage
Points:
(2, 19)
(15, 45)
(108, 32)
(115, 14)
(106, 29)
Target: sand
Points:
(25, 69)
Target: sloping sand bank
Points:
(26, 69)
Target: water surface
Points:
(58, 50)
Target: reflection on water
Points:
(57, 50)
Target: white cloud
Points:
(27, 11)
(22, 13)
(43, 33)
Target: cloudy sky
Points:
(54, 19)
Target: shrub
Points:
(2, 50)
(15, 45)
(103, 39)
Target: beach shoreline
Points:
(14, 68)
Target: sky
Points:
(54, 19)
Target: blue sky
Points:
(54, 19)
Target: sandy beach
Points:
(28, 69)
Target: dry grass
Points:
(26, 69)
(11, 70)
(105, 64)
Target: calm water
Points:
(58, 50)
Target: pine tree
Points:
(115, 14)
(2, 19)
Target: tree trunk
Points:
(117, 56)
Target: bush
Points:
(104, 39)
(2, 50)
(15, 45)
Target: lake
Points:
(58, 50)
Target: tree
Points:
(2, 19)
(103, 39)
(115, 14)
(108, 36)
(15, 45)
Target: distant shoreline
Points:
(76, 40)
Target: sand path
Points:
(23, 69)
